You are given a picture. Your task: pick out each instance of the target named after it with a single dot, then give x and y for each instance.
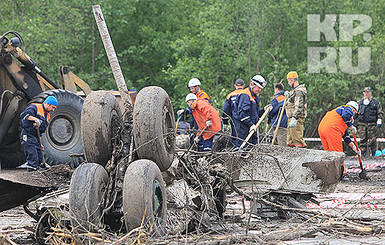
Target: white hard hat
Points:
(194, 82)
(191, 96)
(259, 81)
(353, 104)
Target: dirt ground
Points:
(349, 199)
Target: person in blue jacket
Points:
(247, 111)
(276, 108)
(229, 107)
(35, 117)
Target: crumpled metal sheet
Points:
(181, 194)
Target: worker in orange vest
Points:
(333, 128)
(195, 87)
(35, 117)
(208, 121)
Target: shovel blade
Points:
(362, 174)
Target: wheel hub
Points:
(157, 202)
(61, 131)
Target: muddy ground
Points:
(297, 228)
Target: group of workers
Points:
(286, 113)
(242, 110)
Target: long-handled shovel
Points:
(279, 121)
(42, 149)
(362, 174)
(256, 128)
(192, 146)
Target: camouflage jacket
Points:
(297, 102)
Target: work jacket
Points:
(202, 112)
(38, 111)
(371, 112)
(247, 107)
(277, 103)
(229, 107)
(297, 102)
(203, 95)
(338, 119)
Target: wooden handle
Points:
(256, 128)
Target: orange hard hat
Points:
(292, 74)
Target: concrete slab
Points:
(270, 167)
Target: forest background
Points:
(168, 42)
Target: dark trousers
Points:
(243, 131)
(32, 149)
(205, 145)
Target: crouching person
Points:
(334, 127)
(208, 120)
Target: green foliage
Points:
(168, 42)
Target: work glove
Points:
(354, 148)
(208, 123)
(196, 139)
(268, 107)
(253, 128)
(286, 94)
(379, 123)
(353, 129)
(226, 127)
(180, 112)
(37, 123)
(293, 122)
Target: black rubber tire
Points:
(11, 158)
(101, 117)
(86, 196)
(62, 136)
(222, 143)
(44, 225)
(144, 195)
(11, 151)
(154, 126)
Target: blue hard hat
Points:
(51, 100)
(383, 151)
(378, 153)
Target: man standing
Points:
(276, 108)
(333, 128)
(229, 107)
(35, 117)
(194, 86)
(208, 121)
(369, 119)
(296, 110)
(247, 111)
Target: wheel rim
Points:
(168, 130)
(62, 132)
(157, 203)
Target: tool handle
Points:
(201, 132)
(256, 128)
(359, 156)
(41, 146)
(279, 120)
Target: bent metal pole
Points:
(112, 58)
